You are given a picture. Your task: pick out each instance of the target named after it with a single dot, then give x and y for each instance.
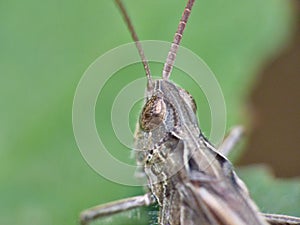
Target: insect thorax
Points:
(157, 139)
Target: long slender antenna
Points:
(137, 43)
(176, 41)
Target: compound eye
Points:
(193, 103)
(153, 114)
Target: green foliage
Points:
(272, 195)
(45, 48)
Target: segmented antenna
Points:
(137, 43)
(176, 41)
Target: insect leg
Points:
(275, 219)
(231, 140)
(228, 144)
(115, 207)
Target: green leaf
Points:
(272, 195)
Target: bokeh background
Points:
(45, 47)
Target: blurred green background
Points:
(45, 47)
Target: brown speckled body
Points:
(191, 181)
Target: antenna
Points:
(176, 41)
(137, 43)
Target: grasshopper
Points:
(192, 182)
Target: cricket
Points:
(192, 181)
